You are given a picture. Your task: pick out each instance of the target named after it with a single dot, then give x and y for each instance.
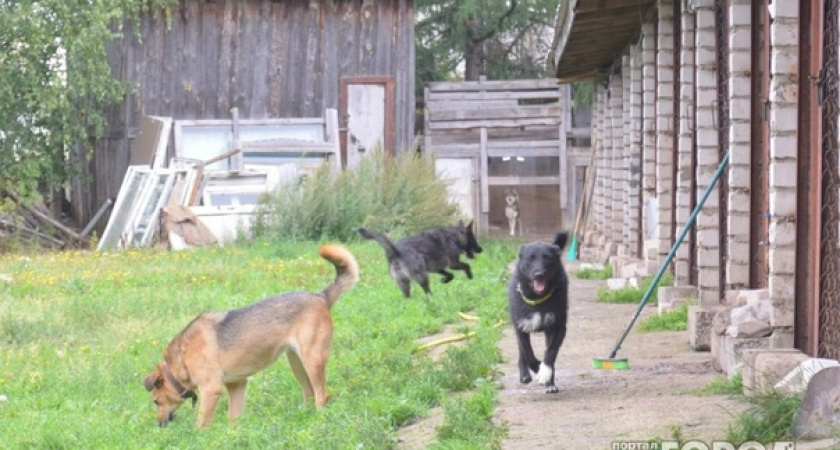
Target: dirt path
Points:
(654, 399)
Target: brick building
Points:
(680, 85)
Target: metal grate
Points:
(723, 122)
(829, 308)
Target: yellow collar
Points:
(536, 301)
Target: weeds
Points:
(595, 274)
(723, 385)
(634, 294)
(674, 320)
(398, 195)
(769, 417)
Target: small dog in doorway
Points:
(512, 211)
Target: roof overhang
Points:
(590, 35)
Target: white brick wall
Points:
(649, 123)
(635, 149)
(740, 71)
(708, 155)
(598, 140)
(618, 171)
(784, 77)
(685, 144)
(665, 127)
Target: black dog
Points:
(538, 302)
(433, 250)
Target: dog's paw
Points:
(525, 379)
(551, 389)
(545, 375)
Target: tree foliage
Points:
(55, 82)
(500, 39)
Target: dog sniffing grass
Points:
(80, 330)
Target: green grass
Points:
(674, 320)
(769, 417)
(79, 331)
(723, 385)
(635, 294)
(595, 274)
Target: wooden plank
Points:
(512, 123)
(288, 146)
(523, 181)
(483, 175)
(436, 97)
(441, 86)
(520, 112)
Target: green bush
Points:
(397, 195)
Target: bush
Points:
(397, 195)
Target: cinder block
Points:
(700, 328)
(672, 297)
(770, 367)
(731, 358)
(717, 344)
(755, 380)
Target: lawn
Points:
(80, 330)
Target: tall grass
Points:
(399, 195)
(769, 417)
(80, 330)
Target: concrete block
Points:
(731, 359)
(752, 296)
(700, 328)
(717, 345)
(615, 284)
(764, 367)
(672, 297)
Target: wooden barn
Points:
(267, 59)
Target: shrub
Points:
(398, 195)
(770, 417)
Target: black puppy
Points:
(433, 250)
(538, 302)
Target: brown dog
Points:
(220, 350)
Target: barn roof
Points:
(591, 34)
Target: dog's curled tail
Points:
(346, 270)
(390, 250)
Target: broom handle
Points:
(723, 163)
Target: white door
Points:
(367, 106)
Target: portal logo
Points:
(699, 445)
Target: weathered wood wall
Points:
(487, 121)
(269, 58)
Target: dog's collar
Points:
(179, 388)
(533, 301)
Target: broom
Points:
(611, 362)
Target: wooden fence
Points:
(504, 136)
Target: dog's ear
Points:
(153, 380)
(560, 239)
